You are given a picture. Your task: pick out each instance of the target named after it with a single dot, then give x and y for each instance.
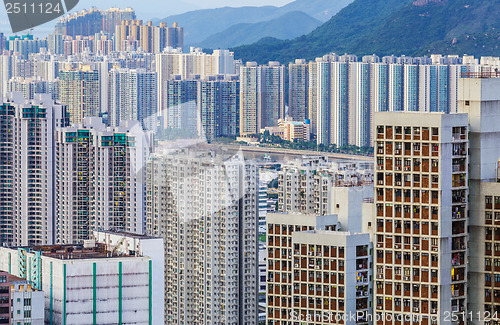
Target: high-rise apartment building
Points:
(262, 101)
(180, 105)
(479, 98)
(30, 87)
(421, 217)
(298, 94)
(173, 64)
(92, 21)
(79, 89)
(343, 93)
(360, 108)
(310, 185)
(27, 185)
(152, 39)
(205, 206)
(316, 274)
(218, 107)
(100, 179)
(132, 96)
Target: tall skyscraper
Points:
(30, 87)
(205, 206)
(79, 90)
(218, 106)
(339, 112)
(27, 183)
(360, 104)
(308, 185)
(411, 86)
(132, 96)
(100, 173)
(173, 64)
(181, 110)
(298, 94)
(421, 216)
(380, 87)
(479, 97)
(262, 91)
(396, 89)
(152, 39)
(317, 274)
(93, 21)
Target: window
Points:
(27, 314)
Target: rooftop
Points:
(75, 252)
(127, 234)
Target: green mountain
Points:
(201, 24)
(288, 26)
(386, 27)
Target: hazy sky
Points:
(147, 9)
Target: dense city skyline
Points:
(143, 181)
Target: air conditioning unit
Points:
(397, 246)
(398, 183)
(379, 307)
(407, 278)
(296, 265)
(407, 168)
(397, 151)
(380, 182)
(435, 249)
(380, 276)
(434, 311)
(397, 168)
(415, 309)
(379, 245)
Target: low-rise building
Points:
(20, 303)
(87, 284)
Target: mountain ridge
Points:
(386, 27)
(287, 26)
(201, 24)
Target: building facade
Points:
(205, 206)
(262, 91)
(132, 96)
(89, 284)
(100, 179)
(421, 217)
(27, 186)
(79, 89)
(315, 273)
